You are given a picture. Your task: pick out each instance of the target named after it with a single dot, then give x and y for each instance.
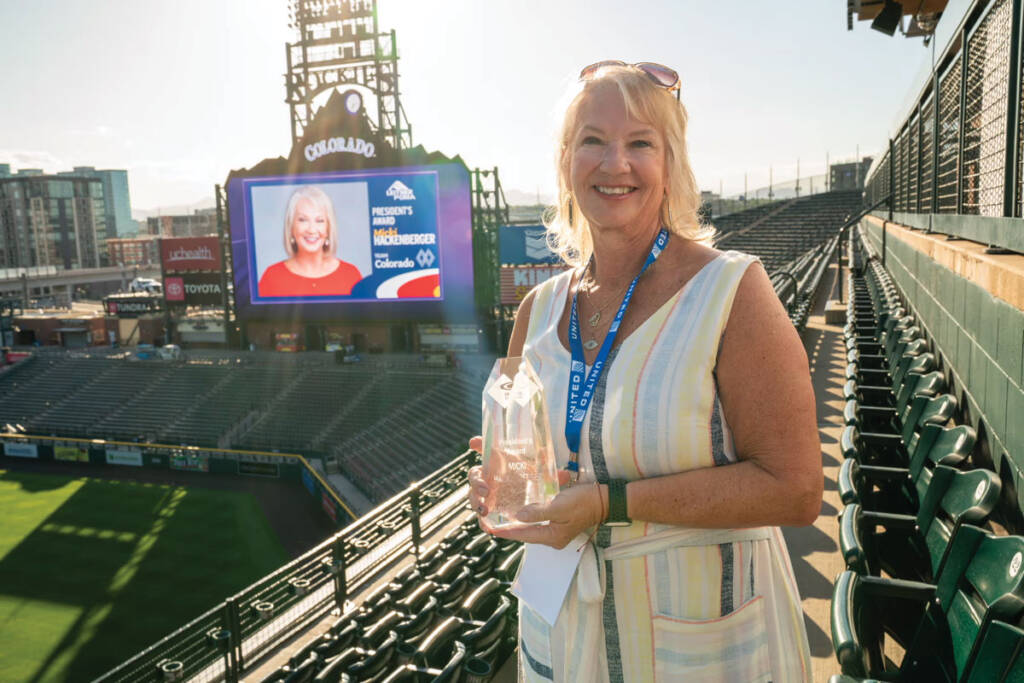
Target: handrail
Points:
(842, 232)
(274, 608)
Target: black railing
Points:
(224, 641)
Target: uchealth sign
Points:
(517, 281)
(194, 289)
(190, 253)
(21, 450)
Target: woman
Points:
(310, 238)
(697, 437)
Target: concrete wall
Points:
(971, 305)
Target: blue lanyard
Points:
(581, 390)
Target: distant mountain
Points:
(520, 198)
(177, 210)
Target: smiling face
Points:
(616, 164)
(310, 227)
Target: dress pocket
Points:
(726, 649)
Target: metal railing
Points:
(223, 642)
(960, 148)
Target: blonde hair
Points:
(568, 230)
(321, 201)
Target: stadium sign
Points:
(21, 450)
(259, 469)
(320, 148)
(517, 281)
(524, 245)
(70, 454)
(194, 289)
(131, 307)
(118, 456)
(190, 253)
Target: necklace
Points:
(595, 318)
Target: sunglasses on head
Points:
(660, 75)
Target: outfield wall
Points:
(289, 467)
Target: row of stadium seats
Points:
(802, 224)
(268, 406)
(921, 569)
(410, 442)
(446, 617)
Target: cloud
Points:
(33, 158)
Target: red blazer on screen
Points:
(277, 280)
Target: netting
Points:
(927, 154)
(984, 146)
(912, 164)
(949, 138)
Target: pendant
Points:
(594, 319)
(590, 345)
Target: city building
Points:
(115, 193)
(197, 224)
(850, 175)
(51, 220)
(134, 251)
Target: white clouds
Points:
(33, 158)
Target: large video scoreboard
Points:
(403, 236)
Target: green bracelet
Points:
(617, 506)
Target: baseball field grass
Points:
(92, 571)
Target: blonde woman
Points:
(310, 239)
(683, 415)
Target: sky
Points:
(179, 93)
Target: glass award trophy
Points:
(518, 458)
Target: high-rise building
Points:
(115, 192)
(51, 220)
(201, 222)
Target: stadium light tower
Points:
(339, 46)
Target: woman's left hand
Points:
(573, 510)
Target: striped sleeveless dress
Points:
(654, 602)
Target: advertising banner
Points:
(260, 469)
(193, 289)
(190, 253)
(21, 450)
(328, 506)
(524, 244)
(120, 456)
(190, 462)
(517, 281)
(343, 243)
(70, 454)
(449, 337)
(307, 481)
(128, 307)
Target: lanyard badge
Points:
(581, 388)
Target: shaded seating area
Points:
(409, 437)
(445, 617)
(799, 225)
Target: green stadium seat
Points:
(915, 546)
(942, 626)
(884, 448)
(894, 489)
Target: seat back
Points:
(982, 580)
(921, 379)
(937, 445)
(954, 498)
(999, 657)
(923, 410)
